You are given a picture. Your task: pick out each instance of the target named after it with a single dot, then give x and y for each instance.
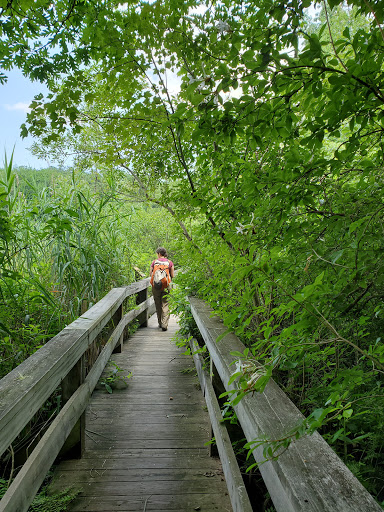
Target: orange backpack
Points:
(160, 278)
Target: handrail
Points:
(26, 388)
(235, 484)
(308, 476)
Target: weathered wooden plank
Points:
(97, 443)
(151, 343)
(27, 482)
(27, 387)
(161, 353)
(107, 306)
(162, 381)
(308, 476)
(134, 420)
(158, 435)
(147, 396)
(131, 474)
(116, 319)
(23, 489)
(128, 453)
(161, 370)
(155, 503)
(173, 421)
(75, 443)
(143, 317)
(236, 488)
(140, 462)
(167, 391)
(162, 366)
(146, 406)
(165, 409)
(106, 487)
(162, 456)
(155, 398)
(133, 429)
(157, 358)
(133, 384)
(154, 371)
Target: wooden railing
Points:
(308, 476)
(61, 362)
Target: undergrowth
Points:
(43, 502)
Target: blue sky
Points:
(15, 96)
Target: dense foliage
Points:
(261, 133)
(45, 502)
(66, 239)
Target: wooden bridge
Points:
(143, 447)
(145, 444)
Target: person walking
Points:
(161, 267)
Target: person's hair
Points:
(162, 251)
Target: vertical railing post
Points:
(83, 306)
(143, 317)
(213, 450)
(74, 445)
(115, 320)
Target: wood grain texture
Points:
(237, 491)
(308, 476)
(27, 387)
(155, 503)
(145, 443)
(74, 444)
(141, 297)
(27, 482)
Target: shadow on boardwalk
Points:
(145, 443)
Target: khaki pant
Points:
(161, 303)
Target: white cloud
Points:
(24, 107)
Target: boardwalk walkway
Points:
(145, 444)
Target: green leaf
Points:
(222, 335)
(237, 354)
(5, 328)
(319, 279)
(354, 225)
(337, 255)
(234, 377)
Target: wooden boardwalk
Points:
(145, 443)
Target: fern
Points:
(44, 503)
(55, 503)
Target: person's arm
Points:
(171, 271)
(151, 270)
